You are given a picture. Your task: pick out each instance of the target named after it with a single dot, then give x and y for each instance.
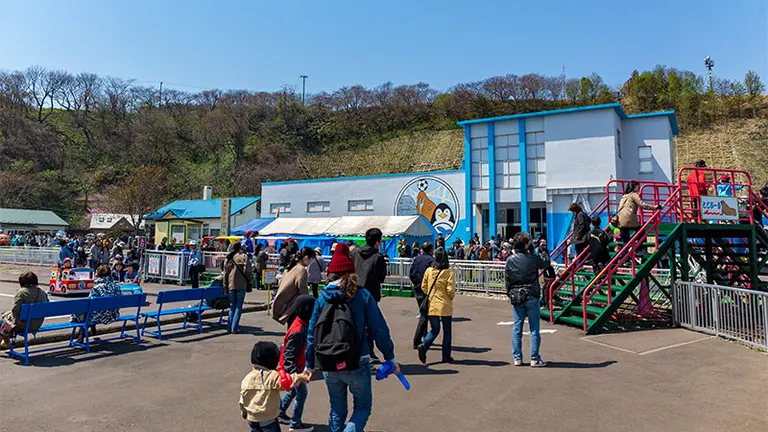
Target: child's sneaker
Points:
(518, 362)
(302, 428)
(283, 418)
(538, 363)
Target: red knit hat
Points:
(341, 262)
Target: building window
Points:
(280, 208)
(319, 207)
(645, 157)
(360, 205)
(194, 232)
(618, 143)
(507, 161)
(479, 167)
(215, 232)
(535, 161)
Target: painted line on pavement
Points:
(676, 345)
(589, 339)
(6, 295)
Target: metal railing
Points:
(38, 256)
(732, 313)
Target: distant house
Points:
(195, 219)
(104, 222)
(41, 221)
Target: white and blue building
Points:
(519, 173)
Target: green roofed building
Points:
(42, 221)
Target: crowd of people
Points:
(341, 328)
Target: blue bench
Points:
(175, 296)
(81, 306)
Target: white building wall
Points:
(580, 148)
(656, 133)
(389, 195)
(245, 215)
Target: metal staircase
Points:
(634, 290)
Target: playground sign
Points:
(719, 208)
(269, 277)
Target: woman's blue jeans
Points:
(434, 330)
(359, 384)
(236, 300)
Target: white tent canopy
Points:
(414, 226)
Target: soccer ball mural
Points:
(432, 198)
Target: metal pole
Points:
(303, 88)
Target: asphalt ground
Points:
(661, 380)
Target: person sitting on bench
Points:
(103, 286)
(28, 292)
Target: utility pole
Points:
(303, 88)
(161, 95)
(709, 64)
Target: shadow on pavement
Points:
(424, 370)
(258, 331)
(461, 319)
(473, 350)
(571, 365)
(99, 350)
(476, 362)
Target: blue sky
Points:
(263, 45)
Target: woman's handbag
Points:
(424, 306)
(615, 217)
(6, 328)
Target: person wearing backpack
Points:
(344, 317)
(598, 245)
(439, 288)
(371, 270)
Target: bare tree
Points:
(502, 88)
(42, 87)
(532, 85)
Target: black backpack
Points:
(338, 347)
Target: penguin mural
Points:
(443, 219)
(432, 198)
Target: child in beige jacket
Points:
(260, 389)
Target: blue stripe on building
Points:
(469, 209)
(491, 180)
(523, 176)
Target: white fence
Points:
(29, 255)
(732, 313)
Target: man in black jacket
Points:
(371, 269)
(418, 267)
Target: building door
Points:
(537, 222)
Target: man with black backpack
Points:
(343, 319)
(371, 270)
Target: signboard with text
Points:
(225, 207)
(172, 265)
(719, 208)
(269, 277)
(153, 265)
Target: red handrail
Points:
(627, 252)
(710, 182)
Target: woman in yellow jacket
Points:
(440, 287)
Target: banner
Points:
(172, 266)
(719, 208)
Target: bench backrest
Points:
(54, 308)
(214, 292)
(180, 295)
(117, 302)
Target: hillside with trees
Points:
(76, 143)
